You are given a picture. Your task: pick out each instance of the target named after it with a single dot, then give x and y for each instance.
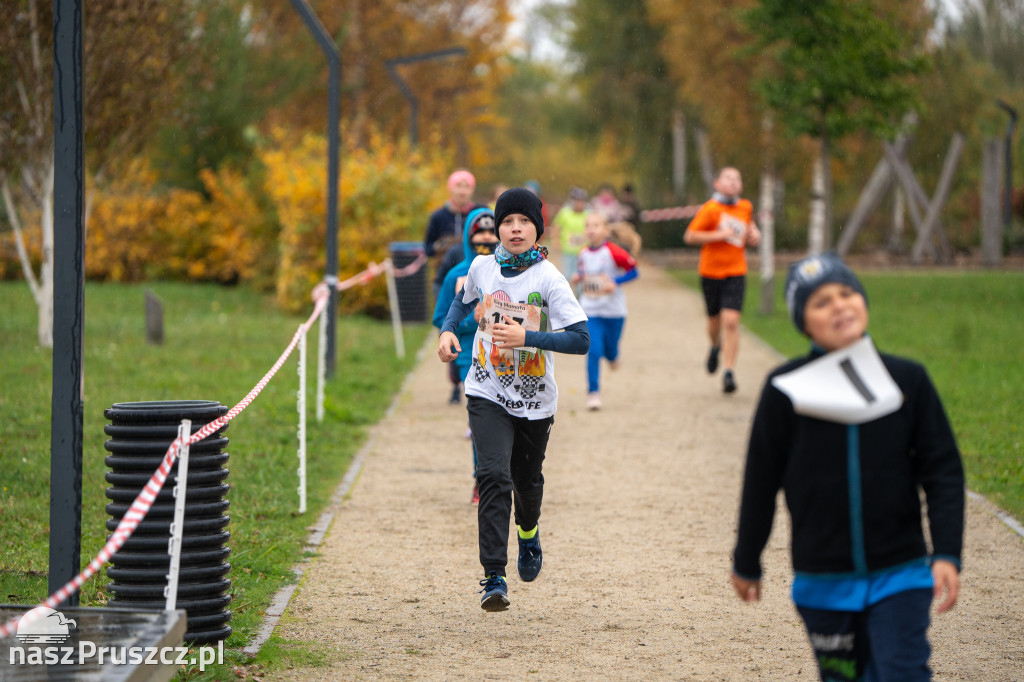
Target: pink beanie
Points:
(461, 176)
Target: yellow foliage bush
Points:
(136, 232)
(267, 229)
(386, 192)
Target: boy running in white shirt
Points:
(510, 389)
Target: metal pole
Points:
(1008, 165)
(68, 297)
(404, 87)
(177, 529)
(330, 50)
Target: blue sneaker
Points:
(530, 557)
(495, 593)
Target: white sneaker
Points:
(594, 401)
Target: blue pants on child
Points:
(605, 333)
(887, 641)
(510, 458)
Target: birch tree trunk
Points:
(816, 229)
(766, 221)
(707, 164)
(44, 300)
(679, 155)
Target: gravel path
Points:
(638, 523)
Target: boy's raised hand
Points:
(445, 343)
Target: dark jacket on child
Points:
(852, 491)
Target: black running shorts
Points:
(723, 293)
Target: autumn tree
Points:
(704, 48)
(626, 85)
(839, 66)
(129, 47)
(456, 94)
(238, 67)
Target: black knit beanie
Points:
(808, 274)
(519, 200)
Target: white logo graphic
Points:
(43, 625)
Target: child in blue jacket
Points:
(479, 238)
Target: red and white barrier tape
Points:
(655, 215)
(412, 267)
(147, 496)
(371, 271)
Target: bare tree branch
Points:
(19, 239)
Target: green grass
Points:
(966, 328)
(218, 343)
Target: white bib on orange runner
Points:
(848, 386)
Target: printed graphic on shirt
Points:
(502, 359)
(531, 361)
(522, 380)
(497, 306)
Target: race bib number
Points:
(494, 311)
(734, 225)
(593, 285)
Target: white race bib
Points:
(495, 309)
(849, 386)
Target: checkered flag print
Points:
(529, 387)
(479, 372)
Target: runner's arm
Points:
(456, 313)
(574, 339)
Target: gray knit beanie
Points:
(806, 275)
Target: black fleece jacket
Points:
(852, 491)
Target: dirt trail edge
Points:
(638, 523)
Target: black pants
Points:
(510, 455)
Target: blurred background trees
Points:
(205, 118)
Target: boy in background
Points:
(443, 239)
(723, 228)
(603, 268)
(570, 222)
(851, 436)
